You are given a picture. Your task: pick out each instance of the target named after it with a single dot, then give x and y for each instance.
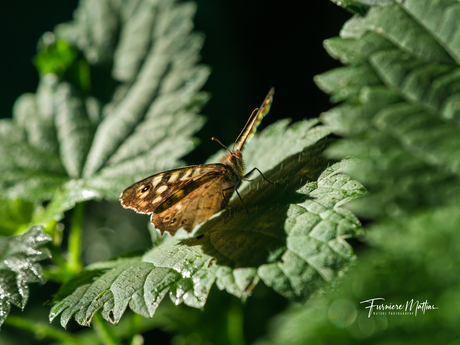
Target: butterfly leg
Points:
(226, 203)
(236, 190)
(249, 173)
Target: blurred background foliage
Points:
(250, 47)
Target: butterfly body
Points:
(187, 196)
(235, 166)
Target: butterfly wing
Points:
(146, 195)
(194, 204)
(254, 120)
(188, 196)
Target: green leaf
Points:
(406, 130)
(18, 267)
(69, 143)
(353, 6)
(293, 237)
(61, 59)
(356, 52)
(408, 35)
(404, 135)
(346, 83)
(316, 248)
(55, 58)
(416, 264)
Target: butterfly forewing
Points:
(146, 195)
(251, 126)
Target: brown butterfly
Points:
(188, 196)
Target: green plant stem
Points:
(42, 330)
(57, 256)
(49, 228)
(74, 261)
(235, 319)
(106, 335)
(61, 272)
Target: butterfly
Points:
(187, 196)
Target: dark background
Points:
(250, 46)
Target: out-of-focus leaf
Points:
(18, 267)
(293, 238)
(61, 59)
(56, 58)
(418, 263)
(404, 132)
(405, 127)
(353, 6)
(15, 216)
(69, 143)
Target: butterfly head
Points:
(235, 162)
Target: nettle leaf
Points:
(73, 141)
(404, 126)
(419, 263)
(19, 267)
(317, 229)
(353, 6)
(293, 237)
(404, 131)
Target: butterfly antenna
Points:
(215, 139)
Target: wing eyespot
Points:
(146, 188)
(166, 219)
(173, 220)
(183, 222)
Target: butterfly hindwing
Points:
(193, 204)
(146, 195)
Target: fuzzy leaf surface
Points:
(19, 267)
(403, 127)
(404, 133)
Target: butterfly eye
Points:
(146, 188)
